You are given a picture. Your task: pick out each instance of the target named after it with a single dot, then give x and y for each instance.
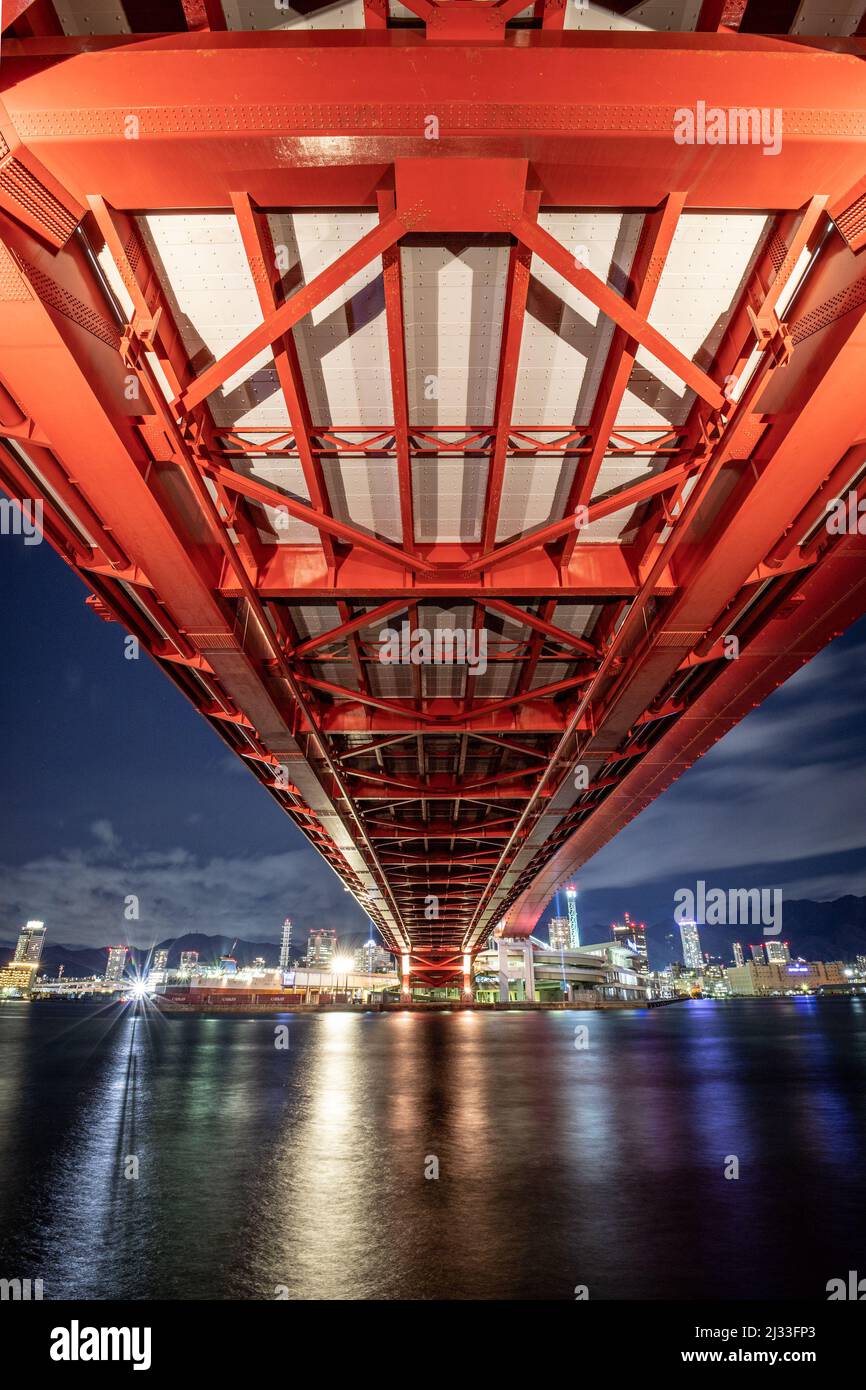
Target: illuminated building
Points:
(631, 933)
(571, 906)
(557, 932)
(16, 979)
(286, 945)
(692, 956)
(777, 952)
(188, 962)
(716, 983)
(796, 977)
(373, 959)
(228, 965)
(639, 937)
(321, 947)
(158, 967)
(115, 965)
(757, 954)
(738, 952)
(30, 943)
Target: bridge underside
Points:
(308, 335)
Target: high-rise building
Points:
(777, 952)
(30, 942)
(639, 938)
(115, 965)
(571, 907)
(738, 952)
(557, 933)
(629, 932)
(692, 955)
(188, 962)
(158, 967)
(321, 946)
(286, 945)
(372, 959)
(758, 954)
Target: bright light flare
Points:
(342, 965)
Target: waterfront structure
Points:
(521, 970)
(30, 942)
(286, 945)
(738, 952)
(250, 988)
(793, 977)
(72, 987)
(571, 908)
(17, 979)
(115, 964)
(692, 956)
(557, 932)
(777, 952)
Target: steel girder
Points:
(464, 801)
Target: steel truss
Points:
(468, 802)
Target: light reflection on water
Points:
(302, 1170)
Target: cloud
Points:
(785, 786)
(103, 831)
(80, 894)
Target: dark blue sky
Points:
(113, 785)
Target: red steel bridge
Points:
(323, 319)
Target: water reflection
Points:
(309, 1171)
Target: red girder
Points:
(466, 796)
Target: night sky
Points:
(114, 785)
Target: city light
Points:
(342, 965)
